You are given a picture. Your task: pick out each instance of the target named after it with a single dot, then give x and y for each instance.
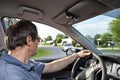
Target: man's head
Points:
(18, 33)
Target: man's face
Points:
(34, 46)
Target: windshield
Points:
(103, 31)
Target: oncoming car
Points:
(94, 24)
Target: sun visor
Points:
(81, 11)
(61, 19)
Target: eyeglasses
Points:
(38, 38)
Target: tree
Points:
(90, 38)
(115, 29)
(105, 38)
(48, 38)
(74, 43)
(96, 37)
(59, 38)
(11, 21)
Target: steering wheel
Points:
(89, 72)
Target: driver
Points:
(22, 43)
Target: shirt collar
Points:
(8, 58)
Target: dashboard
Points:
(113, 69)
(112, 66)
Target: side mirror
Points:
(72, 51)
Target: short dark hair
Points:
(18, 33)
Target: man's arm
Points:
(62, 63)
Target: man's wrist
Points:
(76, 56)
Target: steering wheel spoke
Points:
(88, 72)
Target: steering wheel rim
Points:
(102, 65)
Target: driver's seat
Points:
(3, 50)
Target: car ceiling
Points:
(57, 10)
(49, 8)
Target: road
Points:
(56, 52)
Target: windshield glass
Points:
(103, 31)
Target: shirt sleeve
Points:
(39, 66)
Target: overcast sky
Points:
(45, 31)
(97, 25)
(100, 23)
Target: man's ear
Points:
(6, 40)
(28, 40)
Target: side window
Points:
(52, 43)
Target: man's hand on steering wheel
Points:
(84, 53)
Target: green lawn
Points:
(115, 51)
(41, 53)
(111, 51)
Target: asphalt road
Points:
(56, 52)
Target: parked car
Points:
(67, 46)
(75, 18)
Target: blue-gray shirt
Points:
(13, 69)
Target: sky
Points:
(99, 23)
(45, 31)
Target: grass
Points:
(115, 51)
(41, 52)
(111, 51)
